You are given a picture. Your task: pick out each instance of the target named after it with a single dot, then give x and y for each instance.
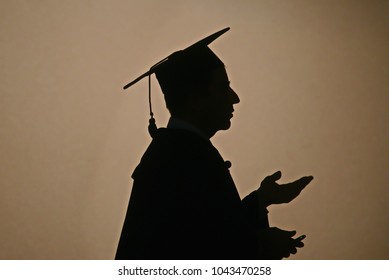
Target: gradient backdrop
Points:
(313, 81)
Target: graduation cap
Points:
(182, 70)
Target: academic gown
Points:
(184, 205)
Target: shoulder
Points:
(175, 149)
(172, 143)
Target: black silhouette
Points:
(184, 203)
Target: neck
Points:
(195, 124)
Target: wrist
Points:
(263, 201)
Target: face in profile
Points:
(219, 101)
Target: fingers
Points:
(291, 233)
(291, 244)
(298, 241)
(298, 184)
(280, 243)
(301, 183)
(277, 175)
(291, 190)
(301, 237)
(306, 180)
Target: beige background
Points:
(313, 81)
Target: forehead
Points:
(219, 75)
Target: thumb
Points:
(274, 177)
(292, 233)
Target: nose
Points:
(234, 97)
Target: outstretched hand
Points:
(271, 192)
(280, 243)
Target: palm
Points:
(271, 192)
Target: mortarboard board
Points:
(181, 68)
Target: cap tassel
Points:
(152, 126)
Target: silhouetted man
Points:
(184, 203)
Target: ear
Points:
(198, 101)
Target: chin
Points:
(226, 125)
(217, 126)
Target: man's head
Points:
(195, 86)
(196, 89)
(185, 73)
